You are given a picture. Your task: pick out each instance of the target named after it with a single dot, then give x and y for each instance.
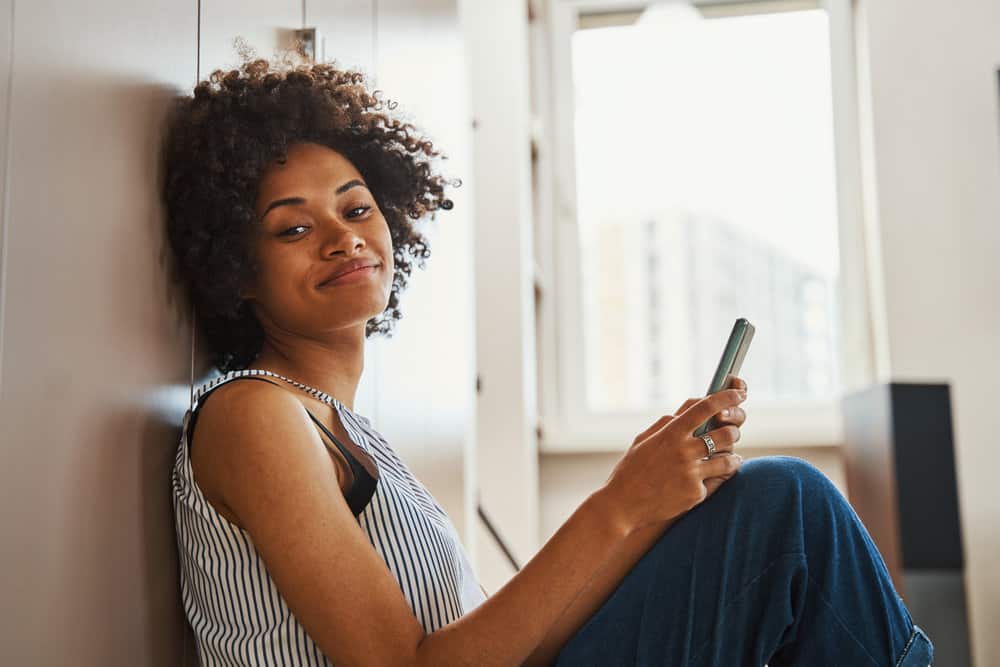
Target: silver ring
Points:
(710, 444)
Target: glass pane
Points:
(706, 192)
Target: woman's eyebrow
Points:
(301, 200)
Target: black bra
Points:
(362, 487)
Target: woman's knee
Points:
(784, 474)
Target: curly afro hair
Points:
(216, 147)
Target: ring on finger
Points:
(709, 444)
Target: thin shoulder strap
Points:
(201, 398)
(365, 480)
(356, 465)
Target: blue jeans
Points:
(775, 567)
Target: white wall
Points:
(89, 337)
(6, 62)
(934, 118)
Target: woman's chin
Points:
(357, 317)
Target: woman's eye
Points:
(351, 213)
(290, 229)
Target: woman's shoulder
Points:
(241, 425)
(229, 418)
(229, 401)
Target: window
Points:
(694, 155)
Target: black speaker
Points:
(900, 473)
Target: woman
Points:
(304, 540)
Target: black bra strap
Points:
(356, 466)
(364, 483)
(362, 488)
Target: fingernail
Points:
(725, 412)
(742, 394)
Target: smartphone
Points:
(730, 363)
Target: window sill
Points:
(768, 426)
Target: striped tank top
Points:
(239, 616)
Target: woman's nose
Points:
(340, 236)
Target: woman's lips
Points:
(357, 275)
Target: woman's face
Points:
(315, 214)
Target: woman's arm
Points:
(633, 548)
(597, 591)
(514, 621)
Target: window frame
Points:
(565, 425)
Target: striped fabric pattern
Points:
(235, 610)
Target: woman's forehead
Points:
(308, 167)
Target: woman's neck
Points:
(331, 367)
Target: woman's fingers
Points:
(703, 409)
(687, 404)
(720, 466)
(737, 383)
(735, 416)
(665, 419)
(724, 439)
(732, 415)
(713, 483)
(724, 464)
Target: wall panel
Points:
(266, 25)
(92, 342)
(349, 29)
(6, 62)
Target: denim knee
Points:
(782, 482)
(770, 473)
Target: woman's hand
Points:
(663, 474)
(736, 417)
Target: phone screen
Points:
(730, 363)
